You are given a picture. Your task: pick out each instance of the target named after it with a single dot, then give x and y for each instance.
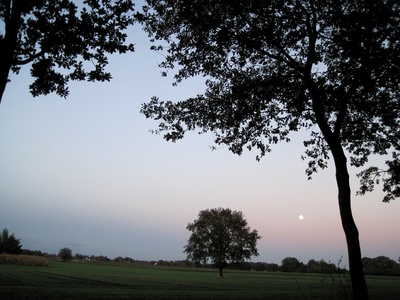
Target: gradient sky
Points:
(85, 173)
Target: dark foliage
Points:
(9, 243)
(65, 254)
(381, 265)
(223, 236)
(62, 40)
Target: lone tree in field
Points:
(9, 243)
(329, 67)
(65, 254)
(223, 236)
(59, 43)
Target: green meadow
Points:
(81, 280)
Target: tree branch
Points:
(31, 58)
(7, 6)
(312, 35)
(285, 56)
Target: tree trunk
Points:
(220, 272)
(4, 70)
(8, 43)
(359, 286)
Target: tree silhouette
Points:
(275, 67)
(221, 235)
(9, 243)
(60, 44)
(65, 254)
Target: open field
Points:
(123, 281)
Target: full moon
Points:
(301, 217)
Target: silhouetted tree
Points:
(259, 266)
(272, 267)
(321, 266)
(59, 44)
(381, 265)
(221, 235)
(313, 266)
(275, 67)
(292, 264)
(65, 254)
(9, 243)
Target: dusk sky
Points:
(86, 173)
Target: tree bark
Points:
(359, 286)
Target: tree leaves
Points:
(221, 235)
(275, 67)
(9, 243)
(65, 42)
(390, 177)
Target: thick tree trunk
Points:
(220, 272)
(359, 286)
(4, 70)
(8, 43)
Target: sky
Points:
(86, 173)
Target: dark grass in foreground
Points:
(110, 281)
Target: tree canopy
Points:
(62, 40)
(9, 243)
(275, 67)
(65, 254)
(267, 62)
(221, 235)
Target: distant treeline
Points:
(380, 265)
(36, 253)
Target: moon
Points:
(301, 217)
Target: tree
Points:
(60, 44)
(9, 243)
(321, 266)
(381, 265)
(292, 264)
(276, 67)
(65, 254)
(221, 235)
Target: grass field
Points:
(69, 280)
